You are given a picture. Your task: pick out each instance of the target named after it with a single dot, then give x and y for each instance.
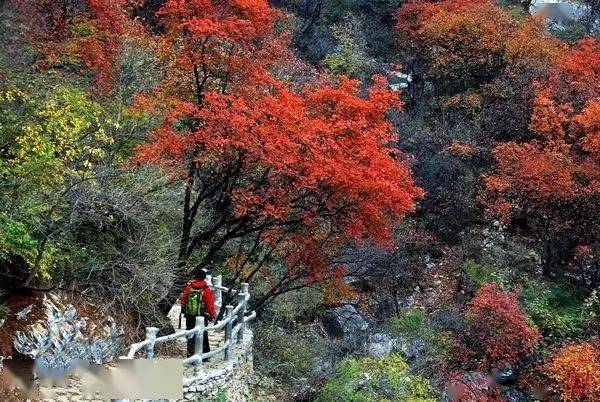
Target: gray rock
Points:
(561, 14)
(346, 323)
(411, 349)
(513, 395)
(63, 340)
(24, 313)
(431, 295)
(428, 261)
(505, 375)
(386, 306)
(324, 368)
(379, 346)
(407, 302)
(498, 247)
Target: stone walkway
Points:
(217, 375)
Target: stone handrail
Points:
(233, 324)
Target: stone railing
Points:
(233, 325)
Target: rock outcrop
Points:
(347, 323)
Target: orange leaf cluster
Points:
(576, 369)
(460, 149)
(466, 42)
(529, 48)
(462, 38)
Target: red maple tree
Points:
(270, 169)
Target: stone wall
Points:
(232, 379)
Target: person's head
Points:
(201, 275)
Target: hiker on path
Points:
(197, 300)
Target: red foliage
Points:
(529, 175)
(308, 156)
(309, 169)
(500, 327)
(230, 21)
(561, 166)
(555, 178)
(222, 43)
(89, 32)
(576, 370)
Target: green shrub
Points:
(220, 397)
(366, 380)
(418, 339)
(288, 356)
(591, 311)
(286, 346)
(413, 323)
(15, 239)
(350, 58)
(476, 275)
(440, 342)
(407, 322)
(556, 308)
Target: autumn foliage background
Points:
(436, 158)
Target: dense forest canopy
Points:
(432, 166)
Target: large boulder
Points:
(379, 346)
(346, 323)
